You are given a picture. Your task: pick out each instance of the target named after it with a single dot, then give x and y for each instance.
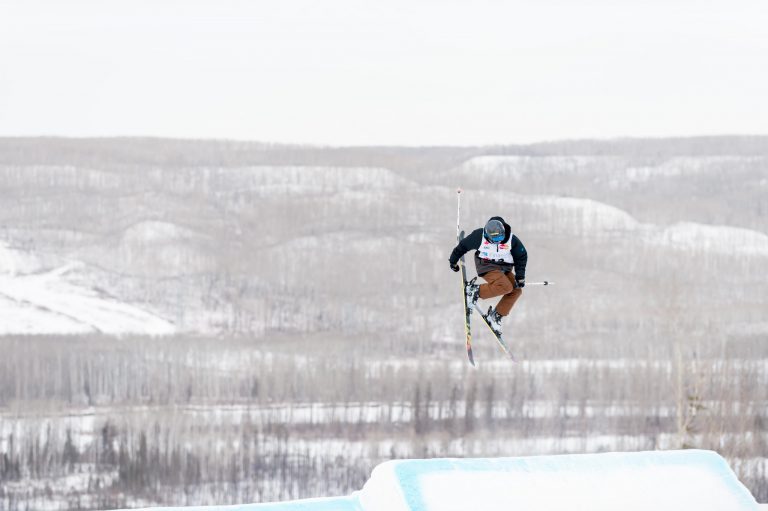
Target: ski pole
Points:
(458, 211)
(542, 283)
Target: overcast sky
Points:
(409, 72)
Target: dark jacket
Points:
(475, 239)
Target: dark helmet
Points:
(494, 231)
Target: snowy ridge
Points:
(154, 248)
(684, 166)
(714, 238)
(619, 175)
(518, 167)
(153, 231)
(288, 181)
(580, 216)
(587, 217)
(652, 480)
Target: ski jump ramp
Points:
(649, 481)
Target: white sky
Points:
(408, 72)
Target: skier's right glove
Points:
(454, 267)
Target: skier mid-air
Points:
(498, 253)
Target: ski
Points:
(497, 335)
(467, 310)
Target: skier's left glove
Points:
(519, 282)
(454, 266)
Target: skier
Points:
(498, 252)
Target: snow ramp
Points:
(654, 480)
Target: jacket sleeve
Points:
(520, 256)
(471, 242)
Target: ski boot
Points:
(494, 320)
(472, 291)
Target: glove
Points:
(519, 282)
(454, 266)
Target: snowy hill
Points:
(192, 237)
(642, 481)
(36, 300)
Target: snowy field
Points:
(36, 300)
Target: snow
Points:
(657, 480)
(34, 301)
(519, 167)
(285, 181)
(55, 487)
(446, 489)
(592, 218)
(714, 238)
(85, 425)
(585, 216)
(588, 217)
(684, 166)
(156, 232)
(660, 480)
(161, 249)
(13, 261)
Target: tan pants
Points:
(499, 283)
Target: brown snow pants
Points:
(499, 283)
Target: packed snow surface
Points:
(654, 480)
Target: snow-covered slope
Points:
(35, 300)
(160, 249)
(591, 218)
(654, 480)
(714, 238)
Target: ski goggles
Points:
(496, 238)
